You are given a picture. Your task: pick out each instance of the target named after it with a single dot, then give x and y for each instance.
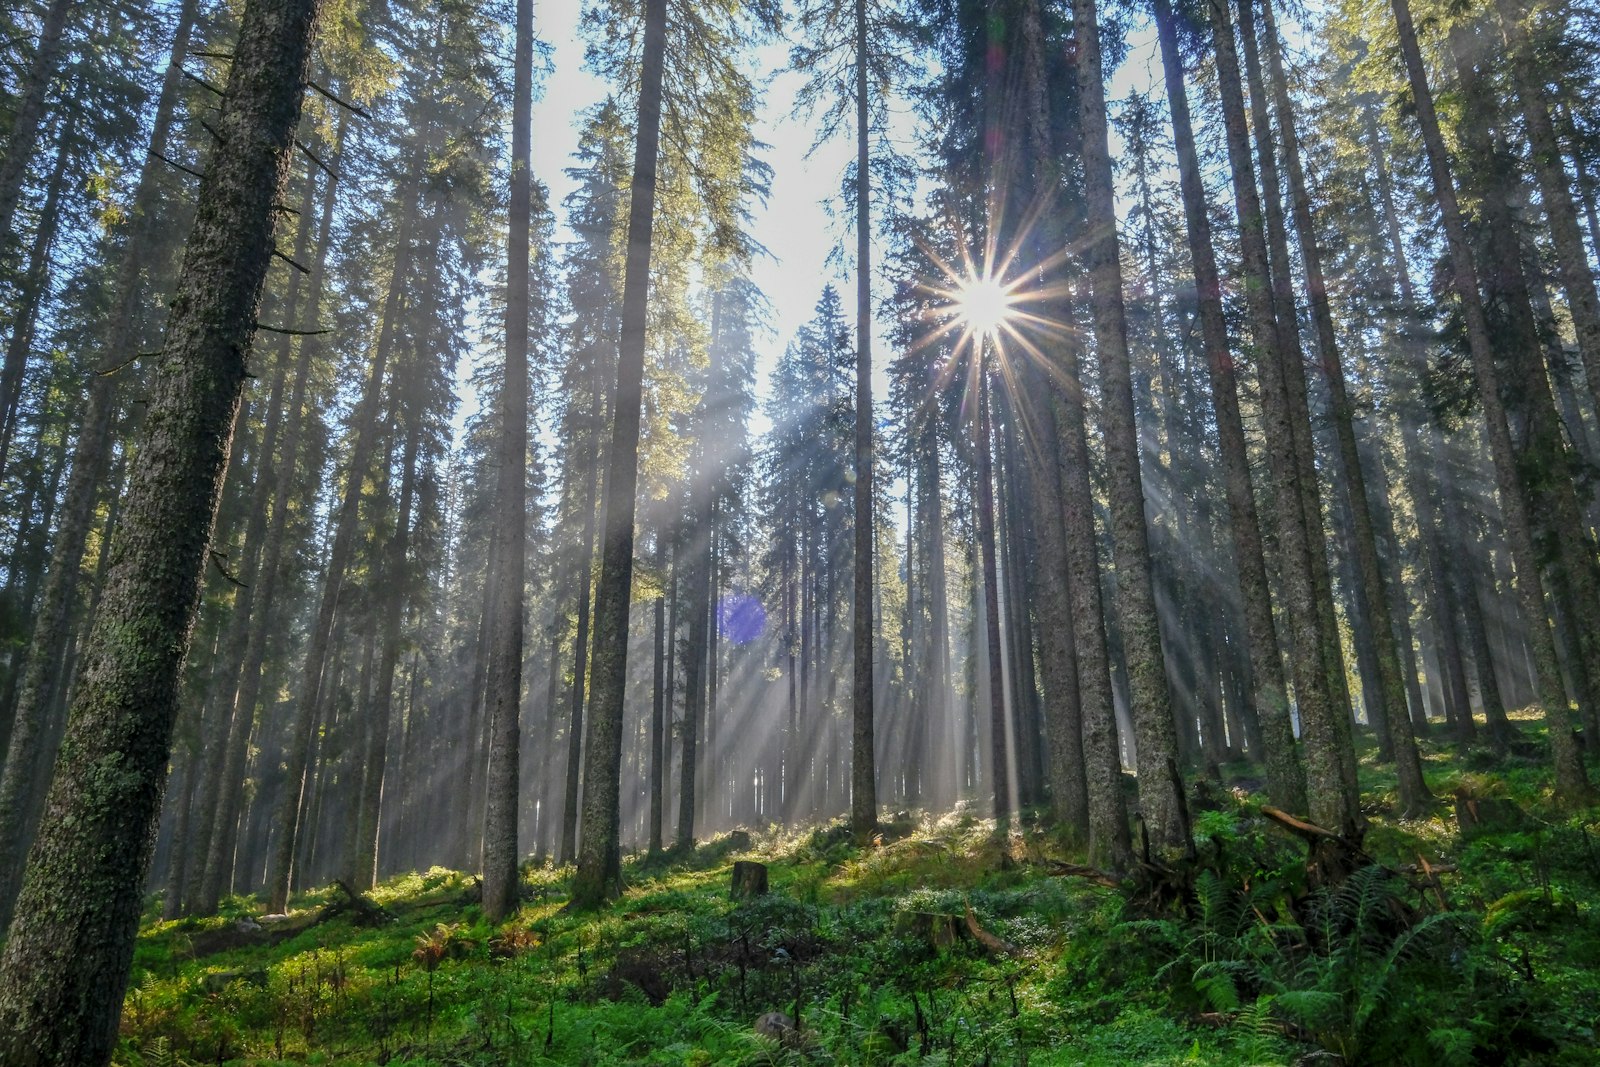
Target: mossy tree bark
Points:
(41, 667)
(65, 963)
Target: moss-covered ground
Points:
(1495, 959)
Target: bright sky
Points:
(794, 224)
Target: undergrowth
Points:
(872, 955)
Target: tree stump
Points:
(749, 879)
(939, 931)
(1486, 815)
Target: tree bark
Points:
(1555, 191)
(863, 773)
(1401, 741)
(599, 874)
(1285, 775)
(65, 963)
(505, 663)
(30, 750)
(1154, 729)
(1332, 800)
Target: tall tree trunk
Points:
(32, 288)
(271, 564)
(1571, 781)
(364, 851)
(580, 641)
(505, 663)
(66, 960)
(1285, 775)
(1401, 741)
(1332, 799)
(698, 606)
(982, 444)
(1154, 729)
(863, 773)
(658, 692)
(1572, 260)
(599, 874)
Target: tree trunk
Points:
(30, 751)
(364, 850)
(999, 761)
(65, 964)
(1332, 800)
(580, 642)
(599, 874)
(863, 774)
(1571, 781)
(1401, 741)
(1285, 776)
(658, 761)
(1572, 260)
(505, 663)
(364, 433)
(1154, 729)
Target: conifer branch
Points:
(291, 262)
(352, 108)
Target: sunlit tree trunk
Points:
(658, 695)
(364, 852)
(1329, 788)
(1285, 776)
(863, 773)
(1141, 625)
(66, 960)
(505, 663)
(1400, 742)
(580, 641)
(599, 874)
(1571, 781)
(982, 444)
(1561, 213)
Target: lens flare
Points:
(984, 305)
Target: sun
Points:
(983, 305)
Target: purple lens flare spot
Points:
(741, 618)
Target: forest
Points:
(852, 532)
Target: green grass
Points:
(676, 972)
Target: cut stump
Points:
(749, 879)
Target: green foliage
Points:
(1255, 969)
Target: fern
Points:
(159, 1053)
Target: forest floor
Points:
(941, 945)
